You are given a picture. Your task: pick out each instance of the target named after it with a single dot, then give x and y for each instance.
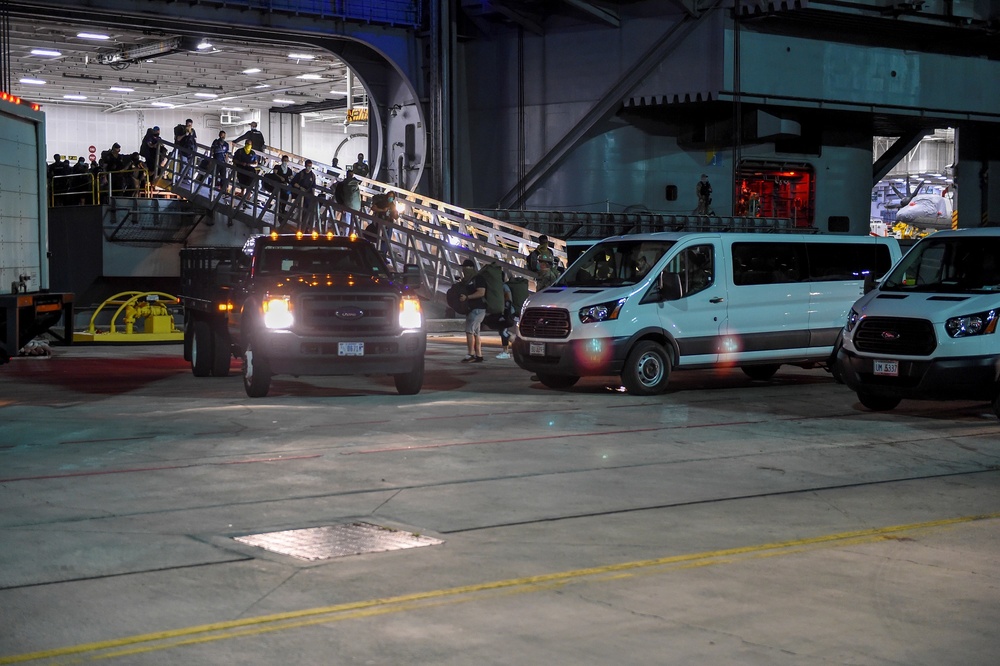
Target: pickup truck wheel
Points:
(222, 353)
(202, 349)
(760, 373)
(877, 403)
(410, 383)
(647, 369)
(557, 381)
(256, 373)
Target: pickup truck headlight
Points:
(601, 312)
(852, 320)
(981, 323)
(410, 315)
(278, 312)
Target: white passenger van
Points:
(640, 305)
(929, 330)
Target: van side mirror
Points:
(870, 282)
(669, 286)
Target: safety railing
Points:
(430, 233)
(75, 189)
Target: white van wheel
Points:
(877, 403)
(760, 373)
(647, 369)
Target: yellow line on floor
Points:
(281, 621)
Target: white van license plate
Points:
(887, 368)
(536, 349)
(350, 349)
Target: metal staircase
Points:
(435, 235)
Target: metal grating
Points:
(323, 543)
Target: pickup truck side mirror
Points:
(669, 285)
(411, 275)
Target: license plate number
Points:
(536, 349)
(887, 368)
(350, 349)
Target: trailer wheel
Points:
(410, 383)
(222, 353)
(202, 350)
(760, 373)
(256, 372)
(877, 403)
(647, 369)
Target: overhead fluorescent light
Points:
(263, 85)
(283, 101)
(252, 70)
(92, 35)
(120, 89)
(74, 97)
(301, 56)
(223, 99)
(232, 108)
(206, 95)
(33, 82)
(50, 53)
(311, 77)
(163, 105)
(204, 45)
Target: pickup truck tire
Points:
(878, 403)
(410, 383)
(222, 353)
(647, 369)
(256, 373)
(202, 348)
(760, 373)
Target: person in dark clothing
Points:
(219, 154)
(304, 188)
(80, 183)
(281, 180)
(360, 168)
(245, 165)
(59, 184)
(149, 149)
(186, 143)
(254, 135)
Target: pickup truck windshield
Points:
(948, 265)
(323, 259)
(614, 263)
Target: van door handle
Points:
(717, 299)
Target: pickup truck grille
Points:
(544, 323)
(343, 313)
(896, 336)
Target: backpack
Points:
(518, 291)
(494, 288)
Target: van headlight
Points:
(410, 315)
(981, 323)
(852, 320)
(278, 312)
(601, 312)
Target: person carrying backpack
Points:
(475, 298)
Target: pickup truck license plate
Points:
(350, 349)
(536, 349)
(887, 368)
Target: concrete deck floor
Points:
(724, 522)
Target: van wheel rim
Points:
(649, 369)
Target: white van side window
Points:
(696, 267)
(768, 263)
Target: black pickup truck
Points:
(302, 304)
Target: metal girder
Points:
(903, 145)
(606, 15)
(604, 107)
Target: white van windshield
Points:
(948, 264)
(615, 263)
